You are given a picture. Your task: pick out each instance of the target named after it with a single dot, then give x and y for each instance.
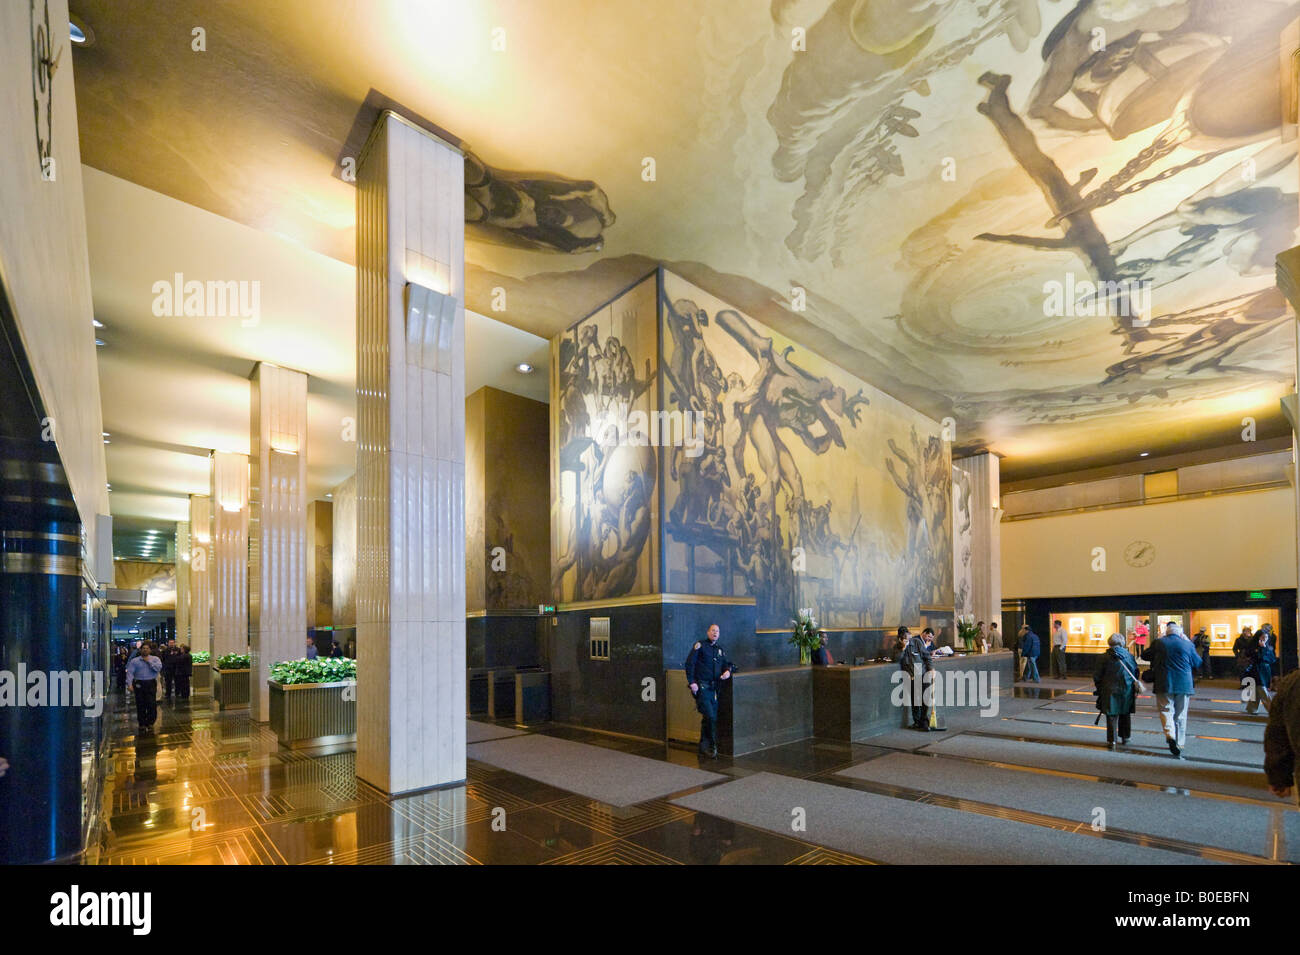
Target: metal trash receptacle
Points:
(532, 696)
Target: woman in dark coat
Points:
(1117, 686)
(1263, 659)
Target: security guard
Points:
(705, 666)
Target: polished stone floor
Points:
(215, 788)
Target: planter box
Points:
(230, 688)
(202, 677)
(313, 714)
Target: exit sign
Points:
(1257, 595)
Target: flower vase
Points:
(805, 656)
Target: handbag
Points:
(1137, 680)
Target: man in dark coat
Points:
(1202, 643)
(1282, 736)
(822, 657)
(1116, 679)
(706, 667)
(1261, 658)
(915, 661)
(1029, 651)
(1173, 660)
(182, 670)
(1013, 644)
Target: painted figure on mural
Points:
(749, 522)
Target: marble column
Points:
(200, 530)
(277, 526)
(183, 546)
(229, 566)
(410, 460)
(985, 535)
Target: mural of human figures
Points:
(809, 489)
(604, 474)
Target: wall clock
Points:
(44, 63)
(1139, 553)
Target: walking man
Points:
(1030, 648)
(142, 677)
(1059, 639)
(1173, 660)
(706, 667)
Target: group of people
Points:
(1175, 663)
(140, 671)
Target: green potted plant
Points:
(806, 635)
(314, 702)
(968, 631)
(230, 681)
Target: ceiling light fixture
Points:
(1144, 454)
(78, 32)
(97, 323)
(524, 368)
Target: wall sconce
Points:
(284, 443)
(430, 325)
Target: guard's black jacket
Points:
(706, 663)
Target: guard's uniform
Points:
(704, 666)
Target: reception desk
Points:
(853, 702)
(772, 706)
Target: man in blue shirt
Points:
(142, 676)
(311, 649)
(1173, 660)
(706, 666)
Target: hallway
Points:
(216, 788)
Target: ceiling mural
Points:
(1033, 213)
(1052, 221)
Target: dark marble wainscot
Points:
(759, 709)
(853, 702)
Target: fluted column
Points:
(277, 528)
(985, 535)
(200, 572)
(229, 567)
(183, 583)
(410, 460)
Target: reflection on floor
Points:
(213, 788)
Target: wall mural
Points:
(1037, 217)
(603, 483)
(804, 487)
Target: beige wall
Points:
(1225, 542)
(43, 259)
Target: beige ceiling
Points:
(821, 167)
(174, 388)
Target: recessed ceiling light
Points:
(524, 368)
(1144, 454)
(78, 32)
(97, 323)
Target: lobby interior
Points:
(501, 348)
